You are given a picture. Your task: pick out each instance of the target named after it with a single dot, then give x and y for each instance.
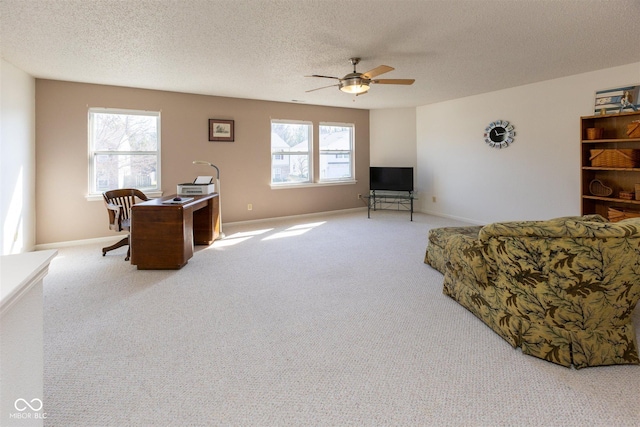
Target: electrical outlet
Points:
(249, 207)
(433, 199)
(359, 196)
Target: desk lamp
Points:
(201, 162)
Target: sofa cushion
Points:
(558, 227)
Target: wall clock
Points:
(499, 134)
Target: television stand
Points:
(383, 200)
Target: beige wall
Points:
(63, 213)
(393, 137)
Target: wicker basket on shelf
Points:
(618, 214)
(594, 133)
(597, 188)
(615, 158)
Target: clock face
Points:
(499, 134)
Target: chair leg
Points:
(121, 243)
(128, 249)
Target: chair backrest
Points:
(118, 203)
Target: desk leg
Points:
(206, 223)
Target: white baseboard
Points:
(114, 239)
(57, 245)
(309, 215)
(457, 218)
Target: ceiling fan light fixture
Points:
(358, 83)
(355, 85)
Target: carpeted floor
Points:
(327, 320)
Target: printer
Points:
(200, 186)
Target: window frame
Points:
(95, 194)
(308, 153)
(350, 152)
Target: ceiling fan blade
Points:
(377, 71)
(324, 77)
(394, 81)
(318, 88)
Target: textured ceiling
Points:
(262, 49)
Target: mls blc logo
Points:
(22, 404)
(28, 409)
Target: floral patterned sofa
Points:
(562, 290)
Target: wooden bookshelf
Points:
(617, 178)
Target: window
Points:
(336, 152)
(291, 152)
(124, 150)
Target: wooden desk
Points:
(163, 235)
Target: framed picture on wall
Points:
(220, 130)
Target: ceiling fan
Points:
(358, 83)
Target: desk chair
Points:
(118, 203)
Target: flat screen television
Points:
(391, 179)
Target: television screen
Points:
(392, 179)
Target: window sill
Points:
(312, 184)
(150, 194)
